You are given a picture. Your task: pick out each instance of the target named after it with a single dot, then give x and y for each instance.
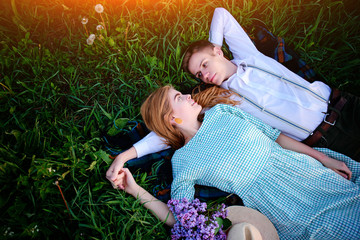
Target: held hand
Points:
(339, 167)
(126, 182)
(113, 172)
(118, 163)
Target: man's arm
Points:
(224, 25)
(117, 165)
(150, 144)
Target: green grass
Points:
(57, 92)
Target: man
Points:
(309, 112)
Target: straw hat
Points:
(249, 224)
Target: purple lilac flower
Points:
(195, 221)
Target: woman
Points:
(237, 153)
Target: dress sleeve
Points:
(269, 131)
(183, 178)
(151, 143)
(224, 25)
(182, 188)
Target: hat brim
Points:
(240, 214)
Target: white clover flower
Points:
(92, 36)
(90, 41)
(99, 8)
(84, 20)
(99, 27)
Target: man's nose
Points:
(205, 76)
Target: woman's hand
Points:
(338, 167)
(291, 144)
(125, 181)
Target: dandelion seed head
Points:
(84, 20)
(90, 41)
(99, 8)
(99, 27)
(92, 36)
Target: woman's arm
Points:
(291, 144)
(127, 183)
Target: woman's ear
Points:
(175, 121)
(172, 121)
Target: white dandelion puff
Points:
(90, 41)
(92, 36)
(99, 8)
(84, 20)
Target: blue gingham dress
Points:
(237, 153)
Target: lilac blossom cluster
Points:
(195, 221)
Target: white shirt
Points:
(298, 112)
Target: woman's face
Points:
(183, 106)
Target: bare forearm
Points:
(159, 208)
(296, 146)
(127, 155)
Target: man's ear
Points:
(218, 51)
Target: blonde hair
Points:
(156, 111)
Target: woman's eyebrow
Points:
(177, 94)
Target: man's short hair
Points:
(195, 47)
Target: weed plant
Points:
(57, 93)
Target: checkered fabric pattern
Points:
(237, 153)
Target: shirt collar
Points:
(241, 66)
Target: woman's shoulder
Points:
(222, 108)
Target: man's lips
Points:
(212, 79)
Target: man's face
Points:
(209, 65)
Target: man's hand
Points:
(118, 164)
(115, 168)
